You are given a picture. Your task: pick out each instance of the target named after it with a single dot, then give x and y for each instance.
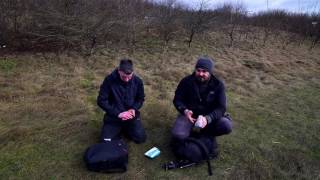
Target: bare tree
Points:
(197, 21)
(88, 25)
(315, 30)
(166, 19)
(233, 16)
(130, 26)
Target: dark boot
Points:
(214, 151)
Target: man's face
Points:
(202, 74)
(125, 77)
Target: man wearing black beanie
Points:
(201, 102)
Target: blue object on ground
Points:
(152, 153)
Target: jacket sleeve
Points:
(139, 99)
(103, 99)
(219, 111)
(179, 97)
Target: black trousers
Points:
(114, 127)
(183, 127)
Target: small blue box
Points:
(152, 153)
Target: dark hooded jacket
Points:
(116, 96)
(211, 103)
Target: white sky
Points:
(260, 5)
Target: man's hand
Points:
(188, 113)
(125, 115)
(201, 122)
(133, 112)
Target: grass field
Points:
(49, 116)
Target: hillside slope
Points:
(48, 111)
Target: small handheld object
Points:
(177, 164)
(152, 153)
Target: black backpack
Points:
(194, 150)
(109, 156)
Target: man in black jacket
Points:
(201, 101)
(121, 96)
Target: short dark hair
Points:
(126, 66)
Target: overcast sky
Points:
(260, 5)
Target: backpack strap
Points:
(204, 151)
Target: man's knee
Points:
(139, 138)
(110, 130)
(226, 125)
(137, 132)
(222, 127)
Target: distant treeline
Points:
(84, 25)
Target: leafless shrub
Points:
(166, 19)
(233, 15)
(197, 20)
(85, 26)
(298, 25)
(315, 30)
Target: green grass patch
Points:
(44, 135)
(274, 137)
(7, 65)
(87, 81)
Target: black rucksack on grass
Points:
(194, 150)
(108, 156)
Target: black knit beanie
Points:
(205, 63)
